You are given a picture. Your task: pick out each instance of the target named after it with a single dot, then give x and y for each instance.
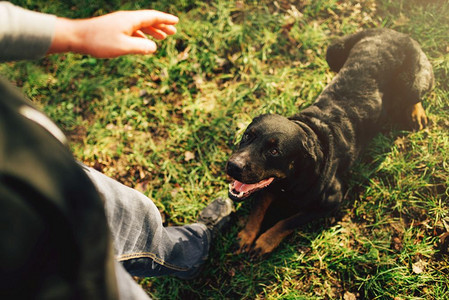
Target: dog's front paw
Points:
(245, 241)
(265, 244)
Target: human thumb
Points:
(138, 45)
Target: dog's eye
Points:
(245, 137)
(274, 152)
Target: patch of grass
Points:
(166, 124)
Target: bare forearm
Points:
(66, 38)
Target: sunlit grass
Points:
(166, 124)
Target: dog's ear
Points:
(307, 157)
(310, 148)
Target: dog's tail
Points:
(338, 51)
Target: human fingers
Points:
(168, 29)
(152, 18)
(140, 34)
(154, 32)
(159, 32)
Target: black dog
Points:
(301, 162)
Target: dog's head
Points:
(273, 148)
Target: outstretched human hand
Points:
(114, 34)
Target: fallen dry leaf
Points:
(418, 267)
(349, 296)
(188, 156)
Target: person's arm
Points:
(114, 34)
(27, 35)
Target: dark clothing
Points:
(47, 198)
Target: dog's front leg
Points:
(270, 239)
(248, 234)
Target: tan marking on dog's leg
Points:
(248, 234)
(418, 117)
(270, 239)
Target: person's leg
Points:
(142, 244)
(128, 288)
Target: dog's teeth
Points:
(241, 194)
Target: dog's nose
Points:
(234, 168)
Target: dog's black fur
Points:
(382, 75)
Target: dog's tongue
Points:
(246, 187)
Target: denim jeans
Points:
(143, 246)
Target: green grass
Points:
(166, 124)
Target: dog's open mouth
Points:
(239, 190)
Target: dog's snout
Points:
(234, 167)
